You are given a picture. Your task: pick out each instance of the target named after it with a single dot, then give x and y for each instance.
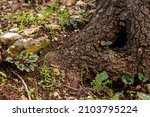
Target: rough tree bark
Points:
(124, 22)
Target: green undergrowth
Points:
(25, 61)
(3, 77)
(43, 16)
(51, 78)
(102, 87)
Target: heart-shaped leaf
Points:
(127, 79)
(143, 76)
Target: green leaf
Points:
(102, 76)
(24, 54)
(21, 67)
(143, 96)
(96, 83)
(33, 58)
(117, 96)
(2, 74)
(127, 79)
(31, 67)
(26, 69)
(17, 63)
(143, 76)
(106, 43)
(9, 59)
(109, 43)
(103, 43)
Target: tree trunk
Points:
(126, 23)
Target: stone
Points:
(15, 5)
(14, 30)
(76, 17)
(31, 31)
(69, 3)
(55, 27)
(80, 3)
(9, 38)
(29, 44)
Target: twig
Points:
(86, 90)
(25, 85)
(72, 88)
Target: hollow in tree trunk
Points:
(125, 23)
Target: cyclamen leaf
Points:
(118, 95)
(9, 59)
(21, 67)
(143, 76)
(143, 96)
(33, 58)
(17, 62)
(106, 43)
(103, 43)
(24, 54)
(127, 79)
(26, 69)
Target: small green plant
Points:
(127, 79)
(51, 77)
(25, 61)
(50, 10)
(54, 11)
(8, 16)
(3, 77)
(27, 18)
(143, 96)
(100, 81)
(143, 76)
(63, 17)
(30, 79)
(75, 22)
(106, 43)
(118, 96)
(31, 91)
(46, 78)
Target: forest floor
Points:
(57, 21)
